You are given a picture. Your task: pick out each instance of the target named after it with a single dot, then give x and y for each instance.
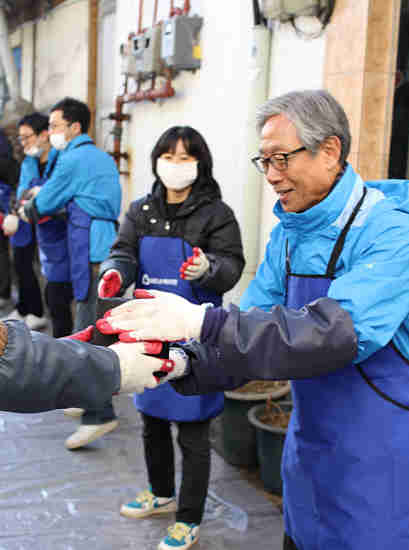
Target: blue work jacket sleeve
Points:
(59, 189)
(278, 345)
(268, 286)
(28, 171)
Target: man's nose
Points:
(273, 175)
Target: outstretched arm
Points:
(39, 373)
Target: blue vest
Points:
(345, 463)
(160, 259)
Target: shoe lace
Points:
(145, 496)
(178, 531)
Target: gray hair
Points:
(316, 115)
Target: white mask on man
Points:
(58, 141)
(35, 151)
(176, 176)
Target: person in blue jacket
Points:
(9, 174)
(184, 239)
(85, 182)
(328, 309)
(51, 233)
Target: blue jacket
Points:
(372, 282)
(89, 177)
(367, 304)
(30, 170)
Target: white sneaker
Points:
(147, 504)
(75, 412)
(87, 433)
(34, 322)
(13, 315)
(181, 536)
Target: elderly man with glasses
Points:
(328, 309)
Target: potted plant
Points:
(270, 421)
(232, 436)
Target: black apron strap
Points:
(339, 245)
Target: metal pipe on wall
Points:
(7, 58)
(93, 6)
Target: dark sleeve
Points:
(9, 171)
(282, 344)
(39, 373)
(124, 251)
(224, 251)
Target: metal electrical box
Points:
(152, 55)
(179, 42)
(138, 52)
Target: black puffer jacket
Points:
(203, 220)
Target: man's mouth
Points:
(283, 193)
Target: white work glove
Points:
(10, 225)
(167, 317)
(138, 370)
(195, 266)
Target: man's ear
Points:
(76, 126)
(331, 148)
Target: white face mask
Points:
(35, 151)
(176, 176)
(58, 141)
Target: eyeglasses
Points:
(54, 126)
(22, 139)
(279, 161)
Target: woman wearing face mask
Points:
(51, 233)
(180, 238)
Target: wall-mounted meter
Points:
(128, 65)
(179, 42)
(151, 58)
(138, 51)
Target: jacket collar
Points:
(324, 213)
(82, 138)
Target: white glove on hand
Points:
(10, 224)
(196, 266)
(138, 370)
(168, 317)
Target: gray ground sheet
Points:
(54, 499)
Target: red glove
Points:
(189, 261)
(110, 284)
(2, 216)
(83, 335)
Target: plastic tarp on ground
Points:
(54, 499)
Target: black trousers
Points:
(29, 293)
(5, 266)
(58, 297)
(288, 543)
(193, 440)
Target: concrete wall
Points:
(61, 54)
(216, 100)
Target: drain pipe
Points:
(7, 56)
(258, 74)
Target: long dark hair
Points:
(195, 146)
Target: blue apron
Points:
(52, 241)
(345, 464)
(160, 259)
(5, 192)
